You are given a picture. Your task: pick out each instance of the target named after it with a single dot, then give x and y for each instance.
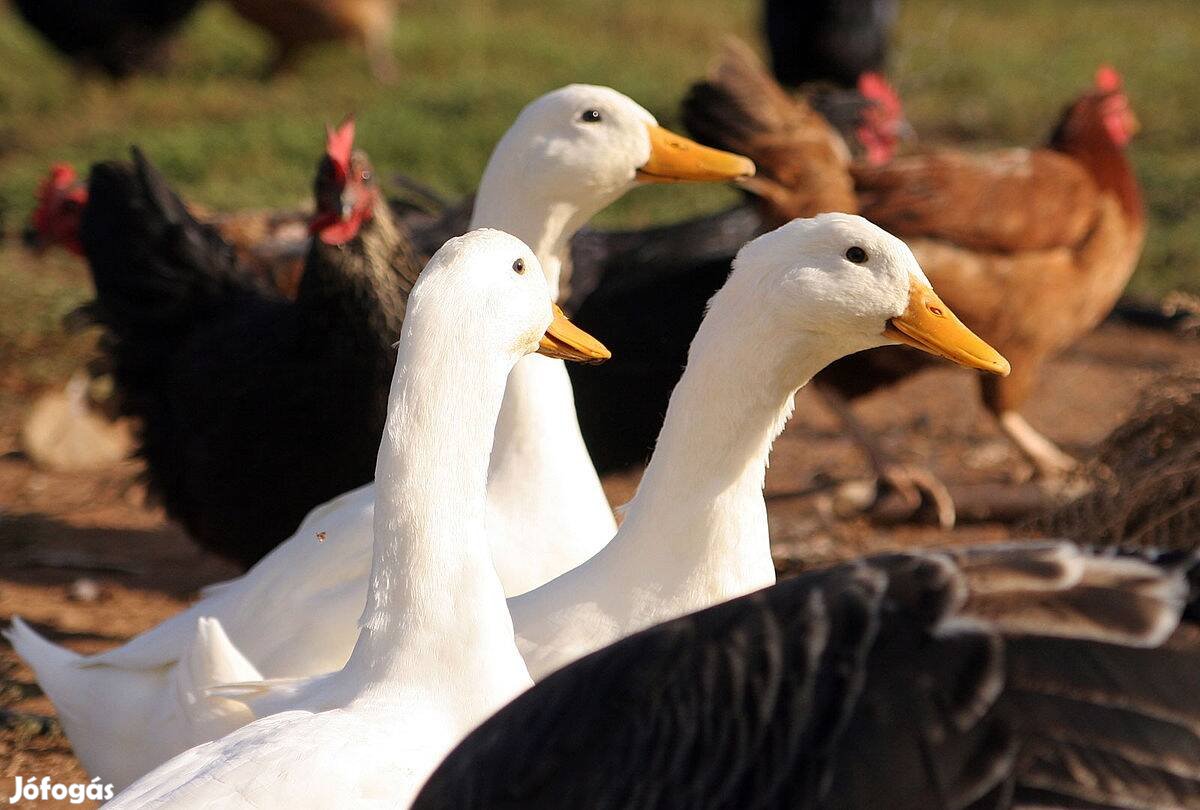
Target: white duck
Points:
(696, 532)
(435, 655)
(569, 154)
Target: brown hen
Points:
(1031, 247)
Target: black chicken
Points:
(253, 408)
(118, 37)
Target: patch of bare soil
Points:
(89, 564)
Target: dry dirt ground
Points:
(89, 564)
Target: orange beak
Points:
(566, 341)
(929, 325)
(674, 158)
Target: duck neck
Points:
(434, 602)
(699, 508)
(547, 228)
(516, 197)
(542, 482)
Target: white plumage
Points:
(435, 653)
(294, 614)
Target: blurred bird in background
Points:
(829, 41)
(117, 37)
(297, 24)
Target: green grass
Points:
(971, 71)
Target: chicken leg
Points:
(1002, 397)
(1047, 459)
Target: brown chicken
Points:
(1031, 247)
(298, 24)
(741, 104)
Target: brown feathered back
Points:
(981, 201)
(802, 161)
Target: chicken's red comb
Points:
(1107, 79)
(61, 175)
(873, 87)
(53, 220)
(339, 142)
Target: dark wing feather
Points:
(155, 267)
(755, 703)
(869, 684)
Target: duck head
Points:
(591, 144)
(853, 286)
(502, 295)
(575, 150)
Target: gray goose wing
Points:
(1015, 676)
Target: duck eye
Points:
(591, 116)
(519, 266)
(856, 254)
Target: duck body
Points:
(171, 702)
(434, 654)
(287, 749)
(208, 376)
(327, 553)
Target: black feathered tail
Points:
(160, 276)
(157, 270)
